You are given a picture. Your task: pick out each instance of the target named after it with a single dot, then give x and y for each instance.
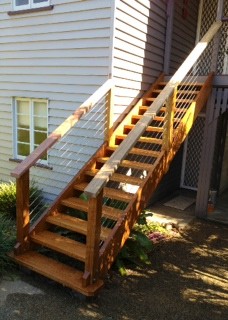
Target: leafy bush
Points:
(140, 243)
(8, 198)
(7, 240)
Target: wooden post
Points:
(109, 114)
(206, 161)
(168, 125)
(93, 239)
(23, 218)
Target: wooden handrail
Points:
(95, 186)
(37, 154)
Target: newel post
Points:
(23, 216)
(93, 239)
(169, 118)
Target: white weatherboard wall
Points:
(62, 55)
(139, 46)
(184, 32)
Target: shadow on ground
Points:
(186, 280)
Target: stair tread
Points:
(75, 224)
(61, 244)
(137, 151)
(177, 100)
(118, 177)
(112, 213)
(75, 203)
(108, 192)
(130, 164)
(57, 271)
(142, 139)
(148, 129)
(195, 84)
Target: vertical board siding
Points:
(62, 55)
(138, 48)
(184, 33)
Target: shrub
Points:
(7, 240)
(8, 199)
(140, 243)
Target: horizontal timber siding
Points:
(184, 32)
(62, 55)
(140, 27)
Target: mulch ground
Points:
(187, 280)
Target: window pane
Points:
(23, 135)
(23, 149)
(40, 124)
(23, 122)
(21, 2)
(22, 107)
(40, 109)
(39, 137)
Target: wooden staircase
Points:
(77, 239)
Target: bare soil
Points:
(187, 280)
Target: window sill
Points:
(16, 12)
(38, 165)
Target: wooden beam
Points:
(168, 126)
(206, 161)
(23, 214)
(93, 237)
(109, 114)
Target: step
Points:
(108, 192)
(60, 244)
(57, 271)
(148, 129)
(142, 139)
(137, 151)
(75, 203)
(130, 164)
(75, 224)
(178, 100)
(180, 91)
(183, 84)
(118, 177)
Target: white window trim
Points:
(31, 5)
(15, 126)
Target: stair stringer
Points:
(122, 229)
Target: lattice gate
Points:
(192, 155)
(193, 145)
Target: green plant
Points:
(136, 248)
(7, 240)
(140, 243)
(8, 199)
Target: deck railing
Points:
(101, 99)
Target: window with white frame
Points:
(29, 4)
(31, 125)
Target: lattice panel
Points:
(223, 43)
(193, 153)
(209, 13)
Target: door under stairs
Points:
(77, 239)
